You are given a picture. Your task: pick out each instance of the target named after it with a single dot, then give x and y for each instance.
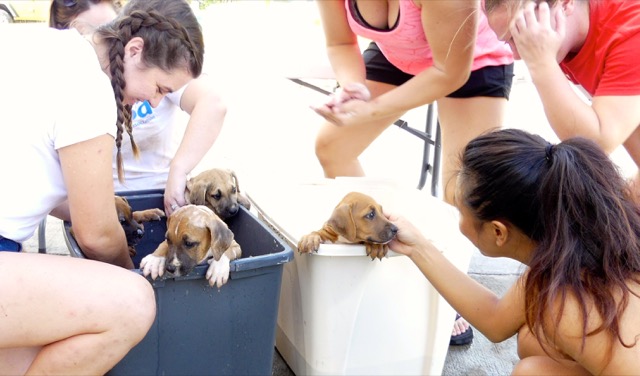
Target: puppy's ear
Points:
(242, 199)
(342, 222)
(221, 237)
(197, 191)
(235, 179)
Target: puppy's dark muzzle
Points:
(182, 268)
(229, 212)
(386, 235)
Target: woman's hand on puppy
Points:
(174, 192)
(409, 239)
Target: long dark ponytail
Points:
(571, 199)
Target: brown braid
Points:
(116, 68)
(128, 127)
(172, 39)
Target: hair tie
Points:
(548, 151)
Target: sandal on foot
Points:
(463, 338)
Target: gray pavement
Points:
(269, 133)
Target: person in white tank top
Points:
(169, 148)
(63, 109)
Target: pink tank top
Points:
(406, 46)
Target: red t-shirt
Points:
(609, 61)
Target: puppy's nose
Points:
(140, 233)
(170, 268)
(394, 229)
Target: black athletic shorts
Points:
(490, 81)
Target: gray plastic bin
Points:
(200, 330)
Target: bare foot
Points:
(459, 326)
(462, 333)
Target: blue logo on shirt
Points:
(141, 113)
(143, 110)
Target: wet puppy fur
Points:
(195, 235)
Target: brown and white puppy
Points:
(195, 234)
(219, 190)
(357, 218)
(132, 221)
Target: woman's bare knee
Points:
(544, 365)
(141, 298)
(125, 319)
(337, 152)
(16, 361)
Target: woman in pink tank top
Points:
(422, 51)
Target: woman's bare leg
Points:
(544, 365)
(61, 315)
(16, 361)
(461, 120)
(338, 147)
(535, 361)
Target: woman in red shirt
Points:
(592, 43)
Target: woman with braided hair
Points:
(170, 147)
(566, 212)
(62, 315)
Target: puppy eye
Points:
(121, 219)
(217, 195)
(371, 215)
(190, 244)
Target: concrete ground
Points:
(251, 46)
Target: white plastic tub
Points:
(340, 313)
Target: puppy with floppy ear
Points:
(132, 221)
(195, 234)
(219, 190)
(357, 218)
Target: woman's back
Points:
(54, 69)
(623, 360)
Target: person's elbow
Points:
(219, 107)
(100, 244)
(210, 105)
(608, 146)
(454, 77)
(496, 332)
(459, 80)
(497, 337)
(611, 139)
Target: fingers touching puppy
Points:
(357, 218)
